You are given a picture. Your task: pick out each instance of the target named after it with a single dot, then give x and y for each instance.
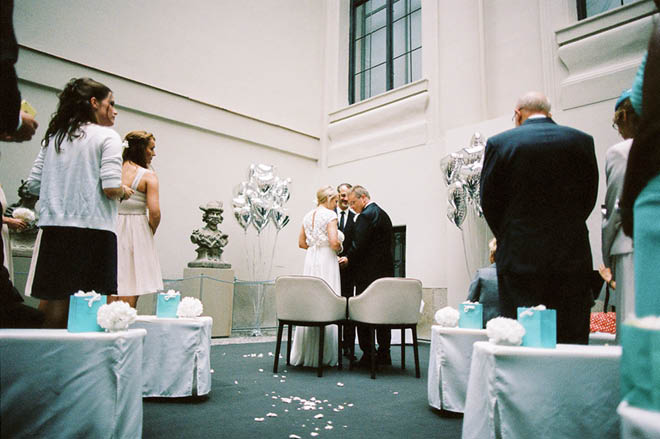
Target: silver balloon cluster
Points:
(260, 200)
(461, 173)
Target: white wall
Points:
(260, 58)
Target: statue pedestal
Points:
(217, 296)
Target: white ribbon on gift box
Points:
(530, 311)
(90, 297)
(170, 294)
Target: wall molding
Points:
(602, 52)
(52, 72)
(382, 124)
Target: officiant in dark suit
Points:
(345, 225)
(370, 256)
(538, 186)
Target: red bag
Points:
(603, 322)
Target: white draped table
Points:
(449, 366)
(518, 392)
(57, 384)
(176, 360)
(638, 423)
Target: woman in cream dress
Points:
(320, 237)
(138, 266)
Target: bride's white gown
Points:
(320, 261)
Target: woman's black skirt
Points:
(72, 259)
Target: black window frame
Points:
(582, 9)
(389, 47)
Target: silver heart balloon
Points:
(457, 209)
(279, 217)
(239, 201)
(265, 182)
(450, 166)
(259, 222)
(244, 216)
(261, 206)
(265, 169)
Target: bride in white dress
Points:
(320, 237)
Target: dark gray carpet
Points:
(394, 405)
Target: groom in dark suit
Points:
(370, 256)
(345, 224)
(538, 186)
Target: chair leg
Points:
(321, 340)
(372, 335)
(340, 344)
(277, 347)
(414, 334)
(403, 348)
(288, 344)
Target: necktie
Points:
(341, 221)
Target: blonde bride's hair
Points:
(324, 194)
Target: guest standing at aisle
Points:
(371, 258)
(345, 225)
(320, 237)
(138, 266)
(538, 186)
(77, 176)
(616, 246)
(640, 202)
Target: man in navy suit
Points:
(538, 186)
(345, 224)
(370, 256)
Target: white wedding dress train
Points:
(320, 261)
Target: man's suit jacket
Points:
(10, 97)
(538, 186)
(370, 253)
(614, 241)
(346, 272)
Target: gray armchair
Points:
(307, 301)
(391, 303)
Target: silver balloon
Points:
(260, 222)
(244, 216)
(265, 169)
(264, 182)
(477, 139)
(239, 189)
(470, 176)
(450, 165)
(261, 206)
(239, 201)
(457, 209)
(280, 219)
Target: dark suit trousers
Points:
(383, 336)
(568, 293)
(347, 287)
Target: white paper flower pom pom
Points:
(504, 331)
(116, 316)
(190, 307)
(447, 317)
(24, 214)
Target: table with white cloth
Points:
(602, 338)
(54, 383)
(449, 366)
(522, 392)
(638, 423)
(176, 359)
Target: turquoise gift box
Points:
(640, 366)
(471, 315)
(540, 327)
(167, 305)
(83, 311)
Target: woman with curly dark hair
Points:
(77, 176)
(640, 201)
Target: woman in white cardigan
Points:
(77, 176)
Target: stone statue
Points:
(209, 239)
(22, 242)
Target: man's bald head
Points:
(533, 102)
